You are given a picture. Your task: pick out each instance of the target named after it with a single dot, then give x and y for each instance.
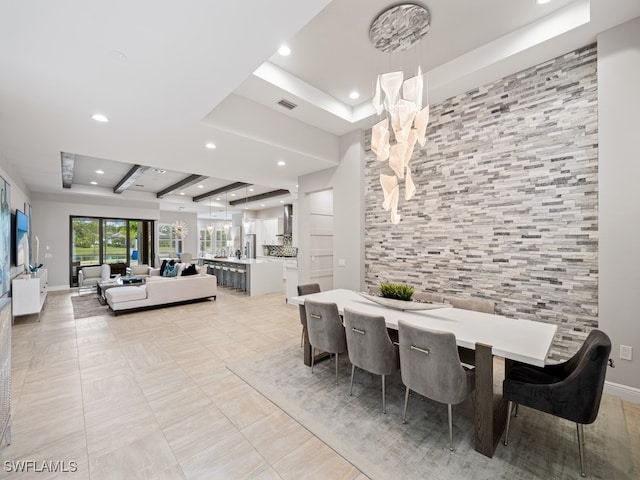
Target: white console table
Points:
(28, 292)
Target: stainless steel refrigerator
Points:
(250, 245)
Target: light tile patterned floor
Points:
(147, 395)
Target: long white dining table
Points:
(486, 334)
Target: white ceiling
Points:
(172, 76)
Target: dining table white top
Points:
(522, 340)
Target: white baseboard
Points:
(628, 394)
(58, 288)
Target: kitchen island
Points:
(262, 276)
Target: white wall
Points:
(190, 244)
(619, 196)
(346, 180)
(51, 224)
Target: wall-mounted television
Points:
(21, 239)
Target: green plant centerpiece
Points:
(398, 291)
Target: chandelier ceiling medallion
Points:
(397, 29)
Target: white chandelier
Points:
(394, 30)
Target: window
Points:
(116, 241)
(221, 238)
(206, 245)
(169, 244)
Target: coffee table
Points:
(105, 285)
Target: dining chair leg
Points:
(384, 396)
(506, 433)
(581, 447)
(313, 356)
(302, 337)
(516, 412)
(353, 372)
(406, 402)
(336, 369)
(449, 408)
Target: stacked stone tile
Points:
(507, 200)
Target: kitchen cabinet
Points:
(270, 231)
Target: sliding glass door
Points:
(115, 241)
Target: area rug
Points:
(379, 445)
(88, 306)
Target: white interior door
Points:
(321, 238)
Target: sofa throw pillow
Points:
(189, 270)
(170, 271)
(162, 267)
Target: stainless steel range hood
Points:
(288, 220)
(287, 224)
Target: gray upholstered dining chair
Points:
(428, 297)
(306, 289)
(475, 304)
(370, 347)
(430, 366)
(571, 390)
(325, 330)
(467, 355)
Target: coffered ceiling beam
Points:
(218, 191)
(262, 196)
(130, 178)
(67, 161)
(185, 182)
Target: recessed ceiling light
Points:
(232, 194)
(100, 172)
(218, 198)
(354, 95)
(251, 189)
(200, 186)
(94, 183)
(98, 117)
(181, 193)
(281, 201)
(210, 146)
(542, 2)
(284, 51)
(157, 170)
(262, 204)
(281, 163)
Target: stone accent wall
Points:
(506, 207)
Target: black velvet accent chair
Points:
(370, 347)
(430, 366)
(325, 329)
(306, 289)
(571, 390)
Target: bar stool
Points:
(234, 277)
(241, 278)
(225, 276)
(217, 271)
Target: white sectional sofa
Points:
(162, 291)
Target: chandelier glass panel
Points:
(396, 29)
